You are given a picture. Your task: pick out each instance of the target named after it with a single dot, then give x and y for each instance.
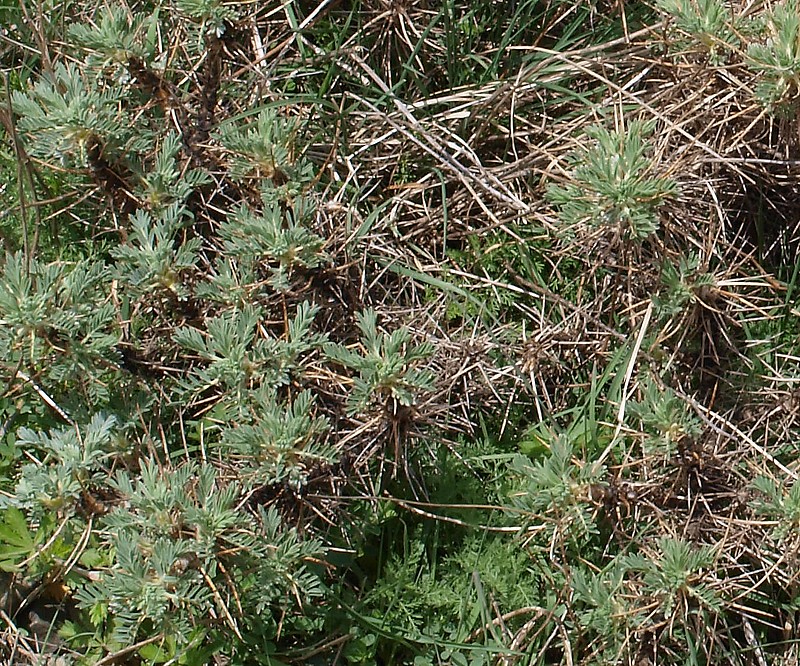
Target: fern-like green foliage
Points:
(185, 556)
(387, 365)
(146, 591)
(554, 494)
(232, 281)
(73, 460)
(778, 504)
(166, 182)
(430, 600)
(237, 354)
(232, 348)
(612, 183)
(708, 22)
(43, 300)
(64, 118)
(675, 576)
(265, 150)
(279, 442)
(212, 15)
(56, 319)
(153, 260)
(116, 36)
(666, 419)
(683, 285)
(777, 60)
(603, 609)
(278, 237)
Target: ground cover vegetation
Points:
(399, 332)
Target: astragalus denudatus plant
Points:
(398, 333)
